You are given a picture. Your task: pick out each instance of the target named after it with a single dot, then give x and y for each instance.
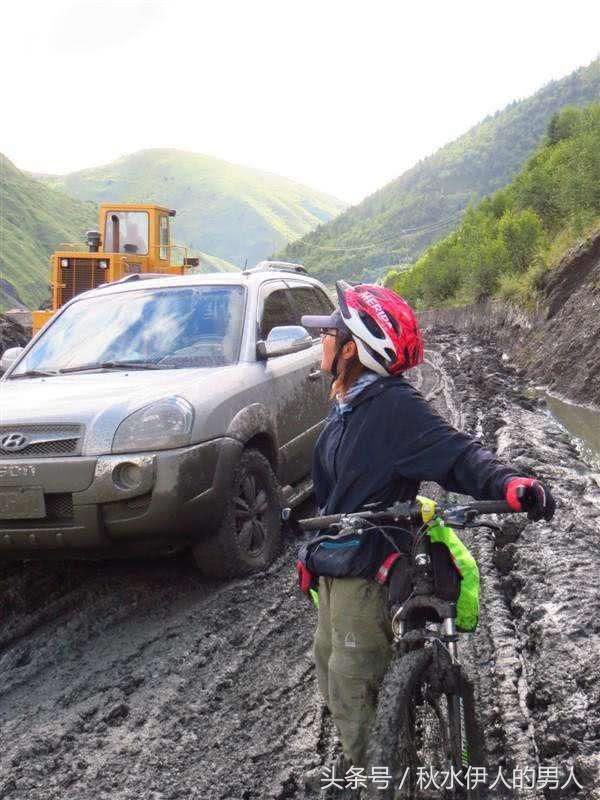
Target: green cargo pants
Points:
(352, 650)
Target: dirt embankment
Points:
(560, 345)
(141, 680)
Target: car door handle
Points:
(314, 375)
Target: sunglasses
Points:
(327, 332)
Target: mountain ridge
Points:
(509, 243)
(233, 212)
(394, 224)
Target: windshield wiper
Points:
(33, 373)
(111, 365)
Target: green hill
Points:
(506, 245)
(395, 224)
(232, 212)
(34, 219)
(210, 263)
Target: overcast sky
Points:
(339, 95)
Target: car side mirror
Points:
(9, 357)
(282, 340)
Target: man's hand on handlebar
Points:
(530, 495)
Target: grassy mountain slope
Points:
(34, 219)
(396, 223)
(507, 244)
(232, 212)
(210, 263)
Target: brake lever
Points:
(460, 517)
(464, 517)
(350, 522)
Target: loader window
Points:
(126, 232)
(164, 237)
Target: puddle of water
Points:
(581, 422)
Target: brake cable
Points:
(382, 528)
(419, 536)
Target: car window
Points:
(310, 300)
(277, 309)
(171, 327)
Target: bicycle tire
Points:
(406, 729)
(466, 734)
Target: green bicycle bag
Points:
(467, 604)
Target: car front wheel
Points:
(249, 536)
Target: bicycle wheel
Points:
(424, 734)
(466, 736)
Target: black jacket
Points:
(390, 441)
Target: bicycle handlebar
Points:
(317, 523)
(489, 507)
(414, 513)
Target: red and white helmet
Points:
(383, 326)
(381, 323)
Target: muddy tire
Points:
(407, 733)
(249, 537)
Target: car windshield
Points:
(197, 326)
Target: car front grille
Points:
(43, 441)
(59, 506)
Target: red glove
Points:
(530, 495)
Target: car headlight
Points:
(159, 426)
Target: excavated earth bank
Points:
(559, 346)
(141, 680)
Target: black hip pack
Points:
(352, 555)
(398, 573)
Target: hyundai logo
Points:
(13, 442)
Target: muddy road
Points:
(141, 680)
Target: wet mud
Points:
(141, 680)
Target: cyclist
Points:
(381, 440)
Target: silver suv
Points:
(155, 415)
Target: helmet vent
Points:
(393, 323)
(371, 325)
(374, 354)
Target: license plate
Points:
(23, 503)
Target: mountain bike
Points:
(425, 736)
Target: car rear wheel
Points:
(249, 537)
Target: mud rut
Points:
(140, 680)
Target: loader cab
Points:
(134, 230)
(131, 239)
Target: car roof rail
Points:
(137, 276)
(280, 266)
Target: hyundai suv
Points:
(151, 416)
